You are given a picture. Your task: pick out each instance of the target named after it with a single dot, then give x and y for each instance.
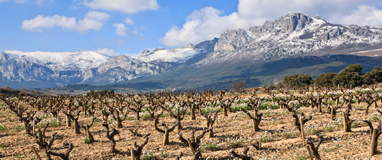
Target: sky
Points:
(127, 27)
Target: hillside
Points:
(260, 74)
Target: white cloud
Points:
(202, 25)
(125, 6)
(120, 29)
(92, 21)
(40, 22)
(128, 20)
(365, 15)
(208, 22)
(106, 51)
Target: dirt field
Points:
(280, 139)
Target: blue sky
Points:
(117, 27)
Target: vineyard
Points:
(258, 123)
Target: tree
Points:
(353, 68)
(377, 74)
(368, 78)
(298, 80)
(374, 76)
(111, 92)
(325, 79)
(287, 79)
(349, 76)
(103, 92)
(238, 86)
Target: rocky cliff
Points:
(292, 35)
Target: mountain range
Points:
(292, 44)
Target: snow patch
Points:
(60, 61)
(167, 55)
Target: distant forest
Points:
(350, 76)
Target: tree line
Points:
(350, 76)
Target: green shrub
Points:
(266, 139)
(312, 131)
(235, 144)
(244, 101)
(3, 128)
(87, 140)
(235, 108)
(374, 119)
(331, 102)
(268, 106)
(354, 125)
(209, 109)
(147, 156)
(130, 118)
(338, 124)
(287, 135)
(136, 122)
(210, 146)
(247, 108)
(146, 116)
(329, 128)
(163, 155)
(19, 128)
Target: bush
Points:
(325, 79)
(163, 155)
(269, 106)
(235, 144)
(312, 131)
(146, 117)
(147, 156)
(3, 128)
(353, 68)
(287, 135)
(349, 76)
(374, 76)
(87, 140)
(377, 74)
(235, 108)
(102, 92)
(298, 80)
(210, 146)
(347, 79)
(354, 125)
(266, 139)
(374, 119)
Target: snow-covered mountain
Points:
(60, 61)
(58, 68)
(292, 35)
(176, 55)
(62, 68)
(123, 68)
